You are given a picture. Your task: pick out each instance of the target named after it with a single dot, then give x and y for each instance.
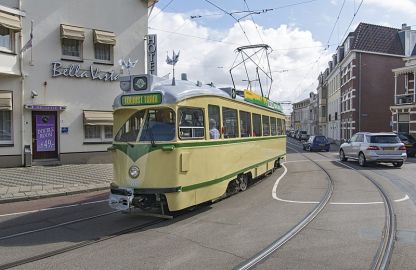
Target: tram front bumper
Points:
(121, 198)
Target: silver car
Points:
(374, 147)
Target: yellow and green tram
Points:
(180, 144)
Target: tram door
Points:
(44, 135)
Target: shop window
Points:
(230, 122)
(191, 123)
(72, 39)
(98, 127)
(245, 124)
(6, 110)
(103, 46)
(214, 122)
(266, 126)
(256, 125)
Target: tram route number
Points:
(146, 99)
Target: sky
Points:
(302, 35)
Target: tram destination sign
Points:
(139, 100)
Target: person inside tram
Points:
(161, 127)
(213, 131)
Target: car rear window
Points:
(384, 139)
(303, 132)
(320, 140)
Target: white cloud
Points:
(202, 57)
(404, 6)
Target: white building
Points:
(56, 96)
(334, 96)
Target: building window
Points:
(98, 127)
(104, 43)
(6, 39)
(71, 48)
(72, 39)
(403, 122)
(230, 122)
(6, 109)
(214, 122)
(103, 52)
(245, 124)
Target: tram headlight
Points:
(134, 171)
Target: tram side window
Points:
(191, 123)
(245, 124)
(283, 127)
(214, 122)
(256, 125)
(230, 122)
(266, 126)
(279, 127)
(273, 130)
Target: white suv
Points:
(374, 147)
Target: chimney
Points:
(330, 66)
(334, 60)
(184, 77)
(408, 39)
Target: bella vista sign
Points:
(75, 71)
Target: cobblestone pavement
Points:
(46, 181)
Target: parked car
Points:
(316, 143)
(410, 143)
(374, 147)
(302, 135)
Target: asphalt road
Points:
(345, 235)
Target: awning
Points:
(98, 118)
(6, 101)
(104, 37)
(10, 21)
(72, 32)
(38, 107)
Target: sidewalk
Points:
(18, 184)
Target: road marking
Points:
(52, 208)
(274, 192)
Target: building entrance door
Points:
(44, 135)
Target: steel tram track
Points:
(277, 244)
(79, 245)
(385, 250)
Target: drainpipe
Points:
(359, 96)
(22, 85)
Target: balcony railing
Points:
(405, 99)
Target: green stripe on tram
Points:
(219, 180)
(136, 151)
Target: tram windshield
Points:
(148, 125)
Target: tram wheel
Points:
(243, 182)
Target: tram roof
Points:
(182, 90)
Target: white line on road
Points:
(52, 208)
(274, 191)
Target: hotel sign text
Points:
(75, 71)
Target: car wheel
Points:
(398, 164)
(361, 160)
(342, 155)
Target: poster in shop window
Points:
(45, 133)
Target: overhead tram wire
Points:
(255, 24)
(161, 10)
(352, 20)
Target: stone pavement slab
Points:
(17, 184)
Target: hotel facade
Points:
(59, 76)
